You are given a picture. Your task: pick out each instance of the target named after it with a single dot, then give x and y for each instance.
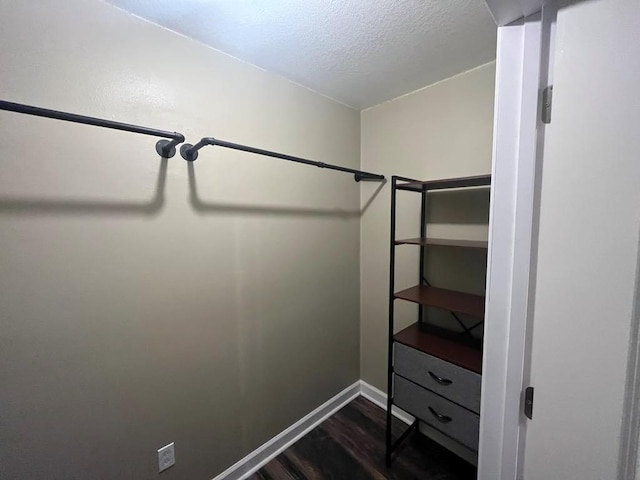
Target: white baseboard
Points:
(378, 397)
(262, 455)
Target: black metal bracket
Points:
(164, 148)
(167, 148)
(190, 153)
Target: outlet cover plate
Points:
(166, 457)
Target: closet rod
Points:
(190, 153)
(165, 148)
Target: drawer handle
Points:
(440, 380)
(440, 418)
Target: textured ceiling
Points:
(358, 52)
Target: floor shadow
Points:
(39, 206)
(209, 207)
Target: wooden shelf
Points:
(451, 300)
(461, 182)
(414, 336)
(444, 242)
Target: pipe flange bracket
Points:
(188, 154)
(163, 151)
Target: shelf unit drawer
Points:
(443, 415)
(455, 383)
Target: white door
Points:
(587, 245)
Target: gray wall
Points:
(441, 131)
(134, 310)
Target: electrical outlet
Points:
(166, 457)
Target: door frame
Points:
(512, 249)
(524, 66)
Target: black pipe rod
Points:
(165, 146)
(98, 122)
(190, 153)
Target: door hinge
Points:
(528, 402)
(547, 95)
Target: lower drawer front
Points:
(451, 419)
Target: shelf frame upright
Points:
(391, 446)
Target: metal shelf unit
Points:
(417, 353)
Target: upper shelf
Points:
(451, 300)
(461, 182)
(444, 242)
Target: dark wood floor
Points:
(350, 445)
